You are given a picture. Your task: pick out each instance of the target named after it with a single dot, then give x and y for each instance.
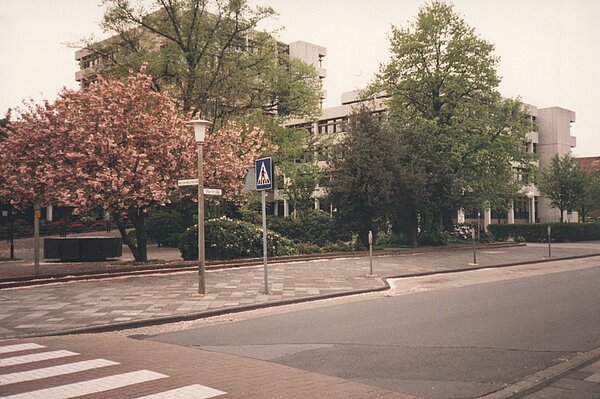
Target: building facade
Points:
(550, 136)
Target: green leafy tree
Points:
(209, 54)
(301, 181)
(563, 183)
(444, 106)
(297, 153)
(590, 199)
(365, 168)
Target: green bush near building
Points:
(561, 232)
(315, 227)
(164, 227)
(233, 239)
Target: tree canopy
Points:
(366, 172)
(445, 107)
(117, 145)
(210, 54)
(563, 182)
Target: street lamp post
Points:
(531, 202)
(36, 236)
(200, 126)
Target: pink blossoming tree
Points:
(118, 145)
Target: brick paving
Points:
(58, 307)
(140, 369)
(581, 383)
(84, 304)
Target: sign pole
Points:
(263, 169)
(264, 225)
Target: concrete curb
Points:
(243, 308)
(469, 269)
(519, 390)
(128, 325)
(546, 377)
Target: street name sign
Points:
(194, 182)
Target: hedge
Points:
(316, 227)
(233, 239)
(561, 232)
(164, 227)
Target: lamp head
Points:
(200, 126)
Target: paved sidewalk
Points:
(581, 383)
(129, 301)
(126, 301)
(118, 367)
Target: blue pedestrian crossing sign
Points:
(264, 174)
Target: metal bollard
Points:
(474, 247)
(371, 252)
(549, 241)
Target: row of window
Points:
(334, 125)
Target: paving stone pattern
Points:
(64, 306)
(108, 366)
(583, 383)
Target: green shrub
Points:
(233, 239)
(307, 248)
(391, 240)
(561, 232)
(486, 237)
(435, 238)
(338, 247)
(164, 227)
(287, 227)
(464, 232)
(316, 227)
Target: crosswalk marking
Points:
(90, 386)
(93, 386)
(195, 391)
(19, 347)
(54, 371)
(35, 357)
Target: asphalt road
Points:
(446, 343)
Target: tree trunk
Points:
(133, 247)
(447, 222)
(136, 215)
(561, 215)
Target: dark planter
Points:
(79, 249)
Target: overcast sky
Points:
(549, 49)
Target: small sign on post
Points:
(194, 182)
(264, 181)
(264, 174)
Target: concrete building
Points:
(90, 61)
(551, 135)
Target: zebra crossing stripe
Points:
(35, 357)
(19, 347)
(54, 371)
(195, 391)
(90, 386)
